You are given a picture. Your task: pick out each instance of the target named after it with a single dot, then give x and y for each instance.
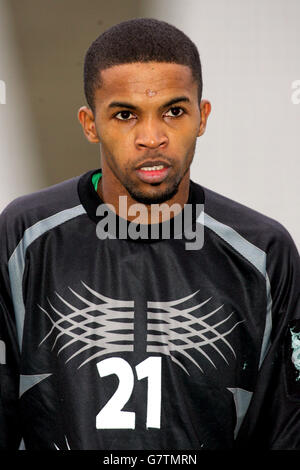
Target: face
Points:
(147, 120)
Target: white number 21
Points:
(111, 415)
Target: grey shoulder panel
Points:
(253, 254)
(16, 263)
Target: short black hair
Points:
(139, 40)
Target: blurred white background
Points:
(250, 58)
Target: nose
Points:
(150, 134)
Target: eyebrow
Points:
(121, 104)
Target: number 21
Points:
(111, 415)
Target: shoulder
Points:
(45, 201)
(255, 227)
(41, 207)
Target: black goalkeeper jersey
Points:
(119, 343)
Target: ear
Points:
(205, 108)
(87, 120)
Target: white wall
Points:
(20, 172)
(250, 56)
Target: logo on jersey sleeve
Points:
(178, 328)
(292, 359)
(296, 351)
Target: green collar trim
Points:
(95, 179)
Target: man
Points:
(115, 336)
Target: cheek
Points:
(184, 141)
(115, 136)
(115, 151)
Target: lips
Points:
(152, 163)
(153, 171)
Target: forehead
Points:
(145, 80)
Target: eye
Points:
(124, 115)
(176, 112)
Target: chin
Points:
(155, 198)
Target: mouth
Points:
(153, 171)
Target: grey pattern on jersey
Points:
(183, 330)
(95, 325)
(171, 328)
